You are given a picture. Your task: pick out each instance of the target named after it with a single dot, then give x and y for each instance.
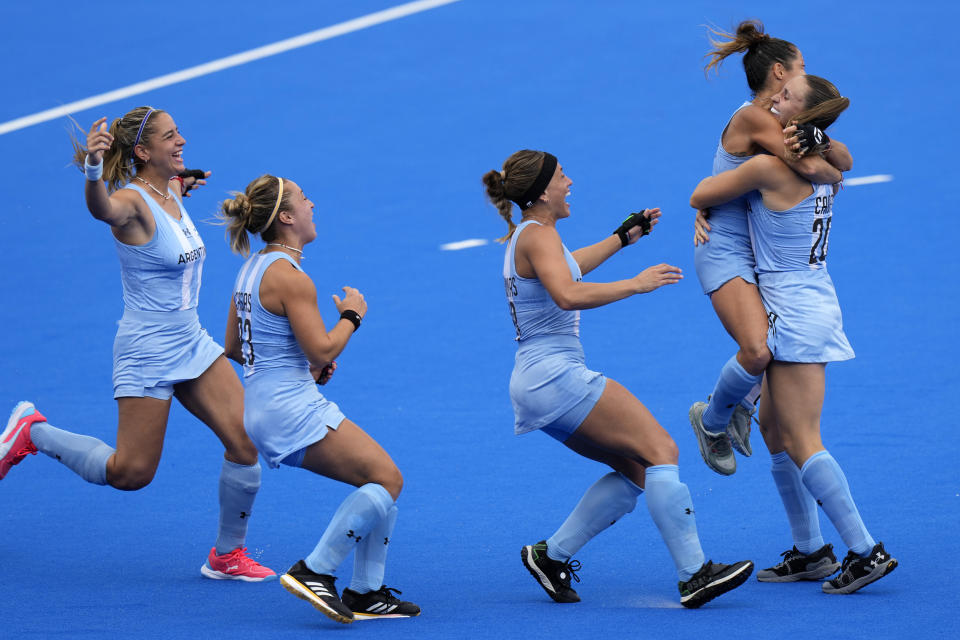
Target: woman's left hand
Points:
(700, 228)
(322, 375)
(635, 233)
(192, 179)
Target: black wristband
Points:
(352, 316)
(633, 220)
(812, 139)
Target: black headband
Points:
(531, 195)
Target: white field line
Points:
(356, 24)
(856, 182)
(850, 182)
(464, 244)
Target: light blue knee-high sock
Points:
(671, 508)
(353, 520)
(609, 499)
(824, 479)
(370, 559)
(732, 387)
(84, 455)
(238, 488)
(800, 506)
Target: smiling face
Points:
(298, 217)
(791, 100)
(556, 193)
(163, 151)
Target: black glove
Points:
(811, 139)
(632, 220)
(199, 174)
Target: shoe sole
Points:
(372, 616)
(292, 585)
(715, 589)
(208, 572)
(740, 445)
(860, 583)
(818, 572)
(526, 555)
(704, 445)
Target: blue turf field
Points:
(388, 130)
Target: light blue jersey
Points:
(159, 340)
(802, 307)
(550, 387)
(163, 274)
(276, 346)
(533, 311)
(728, 254)
(283, 410)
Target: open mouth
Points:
(774, 111)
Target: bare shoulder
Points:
(287, 279)
(754, 118)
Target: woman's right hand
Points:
(352, 300)
(98, 141)
(657, 276)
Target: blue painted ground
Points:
(389, 130)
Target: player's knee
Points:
(131, 477)
(755, 357)
(242, 451)
(392, 481)
(664, 451)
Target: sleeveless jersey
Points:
(795, 239)
(266, 339)
(729, 217)
(163, 274)
(533, 311)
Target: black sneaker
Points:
(797, 566)
(378, 604)
(553, 575)
(713, 580)
(317, 589)
(858, 572)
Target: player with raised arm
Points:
(553, 391)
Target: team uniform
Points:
(805, 326)
(550, 388)
(802, 306)
(160, 341)
(728, 254)
(284, 412)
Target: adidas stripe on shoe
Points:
(318, 589)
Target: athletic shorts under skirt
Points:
(724, 257)
(155, 350)
(805, 323)
(551, 385)
(285, 412)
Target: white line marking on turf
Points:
(464, 244)
(856, 182)
(356, 24)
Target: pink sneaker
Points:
(235, 565)
(15, 443)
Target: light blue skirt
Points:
(551, 385)
(726, 256)
(805, 323)
(284, 412)
(155, 350)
